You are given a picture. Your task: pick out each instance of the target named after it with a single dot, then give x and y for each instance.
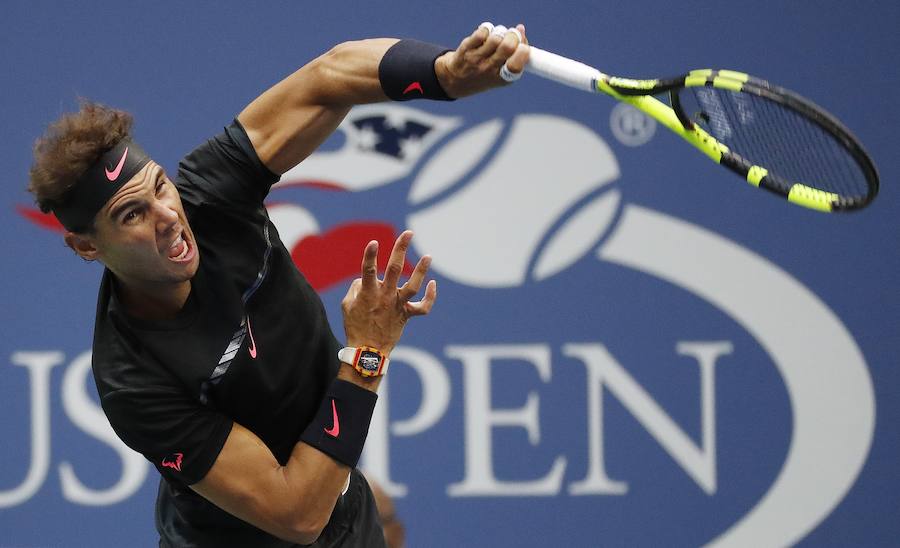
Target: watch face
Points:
(369, 361)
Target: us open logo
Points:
(547, 270)
(514, 207)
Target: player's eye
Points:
(130, 216)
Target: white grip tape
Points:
(508, 75)
(500, 30)
(563, 70)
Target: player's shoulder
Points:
(225, 168)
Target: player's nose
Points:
(165, 216)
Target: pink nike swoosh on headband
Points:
(114, 174)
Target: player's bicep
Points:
(291, 119)
(247, 482)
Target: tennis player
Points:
(212, 355)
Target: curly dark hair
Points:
(70, 146)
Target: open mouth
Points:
(180, 250)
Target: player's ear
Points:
(82, 244)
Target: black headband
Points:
(98, 184)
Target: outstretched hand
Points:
(475, 65)
(376, 311)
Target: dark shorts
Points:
(354, 522)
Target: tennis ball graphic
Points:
(495, 216)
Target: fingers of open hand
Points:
(397, 259)
(412, 286)
(369, 279)
(423, 307)
(352, 292)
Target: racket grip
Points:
(563, 70)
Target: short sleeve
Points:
(182, 438)
(225, 168)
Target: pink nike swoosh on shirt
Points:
(252, 347)
(114, 174)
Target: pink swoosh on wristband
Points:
(415, 86)
(336, 429)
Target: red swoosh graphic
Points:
(114, 174)
(331, 258)
(43, 220)
(336, 429)
(252, 347)
(415, 86)
(317, 184)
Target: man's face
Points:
(142, 234)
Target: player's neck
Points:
(153, 303)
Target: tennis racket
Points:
(770, 136)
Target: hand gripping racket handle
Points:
(564, 70)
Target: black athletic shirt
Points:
(251, 345)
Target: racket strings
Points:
(815, 149)
(777, 138)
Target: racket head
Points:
(770, 136)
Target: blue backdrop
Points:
(630, 346)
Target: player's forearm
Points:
(320, 479)
(299, 498)
(293, 502)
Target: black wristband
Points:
(407, 71)
(341, 425)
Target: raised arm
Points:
(290, 120)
